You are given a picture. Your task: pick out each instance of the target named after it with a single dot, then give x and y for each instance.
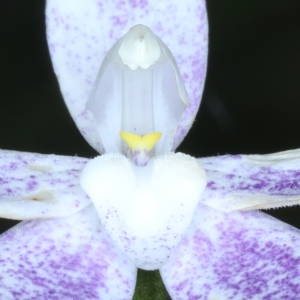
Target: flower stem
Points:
(149, 286)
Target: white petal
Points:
(64, 258)
(237, 255)
(37, 186)
(243, 182)
(146, 210)
(80, 35)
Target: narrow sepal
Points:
(245, 182)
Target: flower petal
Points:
(80, 35)
(240, 255)
(243, 182)
(36, 186)
(146, 210)
(65, 258)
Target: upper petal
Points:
(239, 255)
(37, 186)
(64, 258)
(79, 36)
(242, 182)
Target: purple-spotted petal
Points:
(65, 258)
(243, 182)
(37, 186)
(239, 255)
(79, 36)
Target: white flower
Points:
(154, 208)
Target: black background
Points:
(251, 102)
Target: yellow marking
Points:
(41, 196)
(40, 168)
(137, 142)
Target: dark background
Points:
(251, 102)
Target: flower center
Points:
(139, 147)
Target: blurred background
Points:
(251, 102)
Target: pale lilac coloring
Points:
(240, 255)
(37, 186)
(66, 258)
(244, 182)
(79, 36)
(236, 255)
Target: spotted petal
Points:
(37, 186)
(65, 258)
(243, 182)
(239, 255)
(80, 35)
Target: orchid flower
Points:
(90, 223)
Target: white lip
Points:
(146, 210)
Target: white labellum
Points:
(145, 210)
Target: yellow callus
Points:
(138, 142)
